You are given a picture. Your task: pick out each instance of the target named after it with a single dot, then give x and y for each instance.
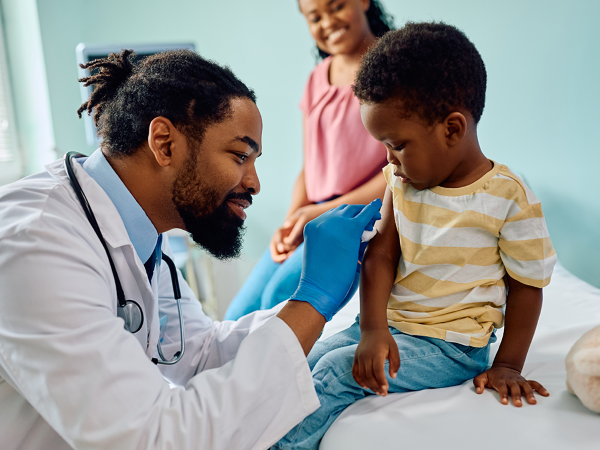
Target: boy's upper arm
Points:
(386, 241)
(516, 288)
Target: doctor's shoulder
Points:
(37, 201)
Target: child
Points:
(342, 161)
(456, 228)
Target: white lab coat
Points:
(71, 376)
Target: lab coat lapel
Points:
(129, 266)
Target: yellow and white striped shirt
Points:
(456, 246)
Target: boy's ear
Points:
(455, 126)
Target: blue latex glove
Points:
(332, 251)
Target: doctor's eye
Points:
(242, 157)
(399, 147)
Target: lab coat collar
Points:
(140, 228)
(115, 234)
(108, 218)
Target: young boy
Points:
(457, 232)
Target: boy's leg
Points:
(424, 363)
(349, 336)
(332, 374)
(427, 363)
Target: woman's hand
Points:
(296, 223)
(374, 348)
(279, 251)
(290, 235)
(509, 382)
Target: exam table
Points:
(456, 418)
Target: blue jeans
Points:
(425, 363)
(269, 284)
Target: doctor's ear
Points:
(163, 139)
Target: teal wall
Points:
(542, 56)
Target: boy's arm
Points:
(377, 277)
(523, 307)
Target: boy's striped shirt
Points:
(456, 246)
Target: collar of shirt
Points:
(140, 229)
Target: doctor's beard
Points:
(212, 225)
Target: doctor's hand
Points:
(332, 253)
(374, 348)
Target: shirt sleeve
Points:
(525, 247)
(64, 350)
(389, 176)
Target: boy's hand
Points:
(374, 348)
(508, 381)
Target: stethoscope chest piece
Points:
(132, 314)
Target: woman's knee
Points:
(283, 282)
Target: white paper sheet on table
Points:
(456, 418)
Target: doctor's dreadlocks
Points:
(190, 91)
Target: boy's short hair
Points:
(431, 66)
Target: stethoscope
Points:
(128, 310)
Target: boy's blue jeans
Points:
(269, 284)
(425, 363)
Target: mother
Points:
(342, 161)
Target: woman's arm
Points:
(280, 251)
(376, 281)
(299, 197)
(364, 194)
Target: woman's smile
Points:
(336, 36)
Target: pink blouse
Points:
(339, 153)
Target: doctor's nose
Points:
(250, 182)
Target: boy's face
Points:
(419, 152)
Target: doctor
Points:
(180, 139)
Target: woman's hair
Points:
(380, 23)
(190, 91)
(432, 67)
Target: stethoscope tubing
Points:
(123, 303)
(93, 222)
(177, 294)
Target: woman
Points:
(342, 162)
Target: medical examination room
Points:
(299, 224)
